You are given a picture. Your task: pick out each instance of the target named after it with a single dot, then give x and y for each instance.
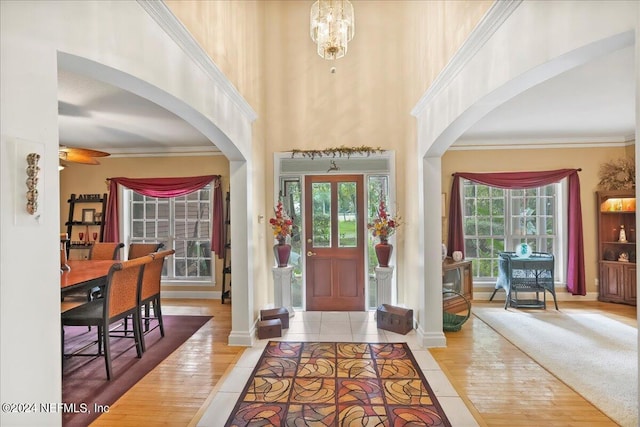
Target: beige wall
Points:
(588, 159)
(435, 30)
(88, 179)
(231, 32)
(264, 48)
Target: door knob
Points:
(309, 240)
(310, 253)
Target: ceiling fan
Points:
(80, 155)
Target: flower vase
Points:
(383, 252)
(282, 251)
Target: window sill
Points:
(189, 282)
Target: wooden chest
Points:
(276, 313)
(394, 319)
(271, 328)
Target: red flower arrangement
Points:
(281, 224)
(384, 225)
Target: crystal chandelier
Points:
(332, 27)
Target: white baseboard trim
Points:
(431, 339)
(244, 339)
(241, 339)
(191, 295)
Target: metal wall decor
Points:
(32, 182)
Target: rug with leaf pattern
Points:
(337, 384)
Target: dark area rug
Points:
(84, 379)
(337, 384)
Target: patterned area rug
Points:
(337, 384)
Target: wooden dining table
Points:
(84, 274)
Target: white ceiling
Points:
(594, 103)
(93, 114)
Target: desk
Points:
(532, 274)
(84, 274)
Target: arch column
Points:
(116, 37)
(242, 306)
(430, 318)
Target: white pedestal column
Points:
(384, 282)
(282, 288)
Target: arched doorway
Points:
(475, 87)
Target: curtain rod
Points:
(217, 176)
(454, 174)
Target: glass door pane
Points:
(347, 215)
(321, 215)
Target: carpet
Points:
(332, 384)
(84, 379)
(594, 355)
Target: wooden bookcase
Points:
(88, 219)
(456, 276)
(616, 258)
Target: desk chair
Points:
(141, 249)
(121, 296)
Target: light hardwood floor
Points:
(499, 383)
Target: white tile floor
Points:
(339, 327)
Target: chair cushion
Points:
(84, 315)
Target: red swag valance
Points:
(521, 180)
(165, 188)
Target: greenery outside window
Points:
(377, 187)
(497, 220)
(291, 196)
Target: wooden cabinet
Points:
(617, 257)
(85, 224)
(456, 276)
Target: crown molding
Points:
(183, 38)
(541, 143)
(164, 152)
(488, 25)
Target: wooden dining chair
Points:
(150, 294)
(141, 249)
(121, 296)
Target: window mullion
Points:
(508, 216)
(171, 237)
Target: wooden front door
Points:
(334, 249)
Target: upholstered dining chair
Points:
(120, 300)
(106, 251)
(141, 249)
(150, 294)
